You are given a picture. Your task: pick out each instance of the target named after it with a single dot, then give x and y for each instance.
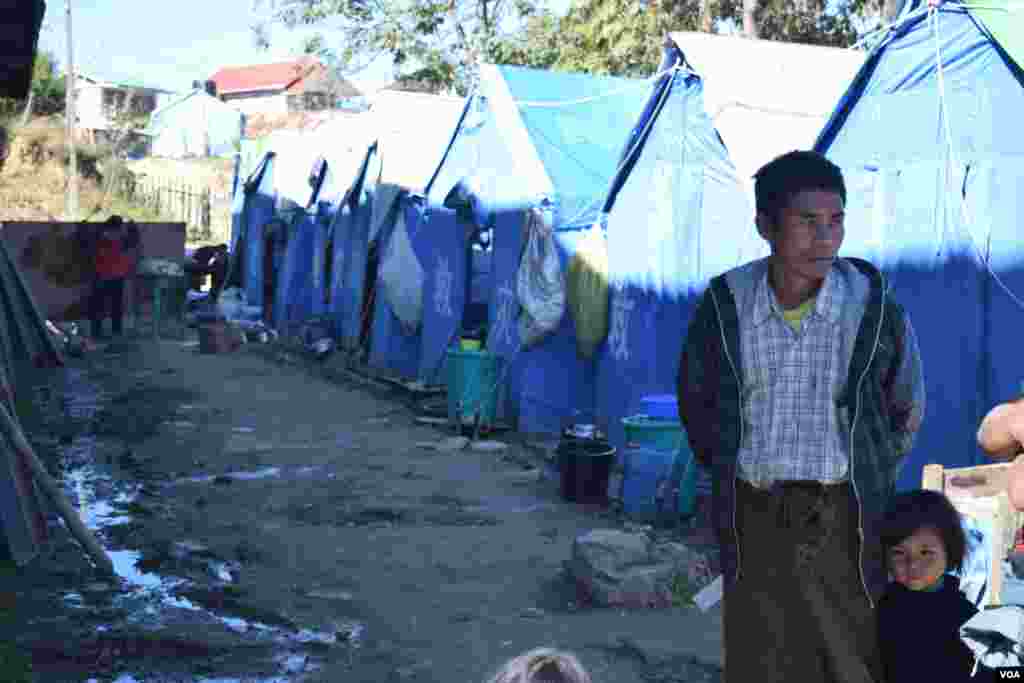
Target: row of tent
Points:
(922, 126)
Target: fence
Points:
(206, 214)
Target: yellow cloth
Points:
(795, 316)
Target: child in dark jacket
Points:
(922, 610)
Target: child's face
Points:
(919, 560)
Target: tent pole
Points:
(51, 488)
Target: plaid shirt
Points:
(792, 382)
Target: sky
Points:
(169, 44)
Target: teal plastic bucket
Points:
(472, 376)
(656, 450)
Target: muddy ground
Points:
(271, 525)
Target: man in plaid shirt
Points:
(800, 388)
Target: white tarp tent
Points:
(195, 125)
(765, 97)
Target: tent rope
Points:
(953, 157)
(995, 8)
(885, 28)
(610, 93)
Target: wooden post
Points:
(14, 434)
(71, 198)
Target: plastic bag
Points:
(995, 635)
(230, 303)
(588, 292)
(403, 278)
(977, 560)
(540, 285)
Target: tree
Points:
(621, 37)
(438, 42)
(48, 86)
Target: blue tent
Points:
(530, 138)
(927, 139)
(697, 224)
(253, 207)
(349, 234)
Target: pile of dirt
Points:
(33, 178)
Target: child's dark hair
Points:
(781, 178)
(913, 510)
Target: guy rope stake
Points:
(16, 437)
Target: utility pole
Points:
(71, 196)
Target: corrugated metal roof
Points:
(278, 76)
(765, 97)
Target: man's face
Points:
(806, 235)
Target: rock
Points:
(617, 568)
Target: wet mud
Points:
(174, 611)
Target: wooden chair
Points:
(980, 492)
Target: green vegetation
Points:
(438, 44)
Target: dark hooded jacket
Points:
(880, 407)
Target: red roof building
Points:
(302, 84)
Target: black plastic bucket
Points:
(584, 467)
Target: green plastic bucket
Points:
(472, 376)
(656, 450)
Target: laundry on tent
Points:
(535, 140)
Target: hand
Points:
(1015, 484)
(1001, 434)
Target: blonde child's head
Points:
(542, 665)
(923, 538)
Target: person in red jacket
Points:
(114, 262)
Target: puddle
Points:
(71, 410)
(254, 475)
(264, 473)
(125, 564)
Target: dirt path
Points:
(308, 532)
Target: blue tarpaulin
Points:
(676, 216)
(300, 285)
(351, 233)
(392, 346)
(252, 209)
(529, 136)
(444, 296)
(931, 152)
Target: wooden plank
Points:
(932, 478)
(981, 481)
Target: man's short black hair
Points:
(781, 178)
(114, 221)
(913, 510)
